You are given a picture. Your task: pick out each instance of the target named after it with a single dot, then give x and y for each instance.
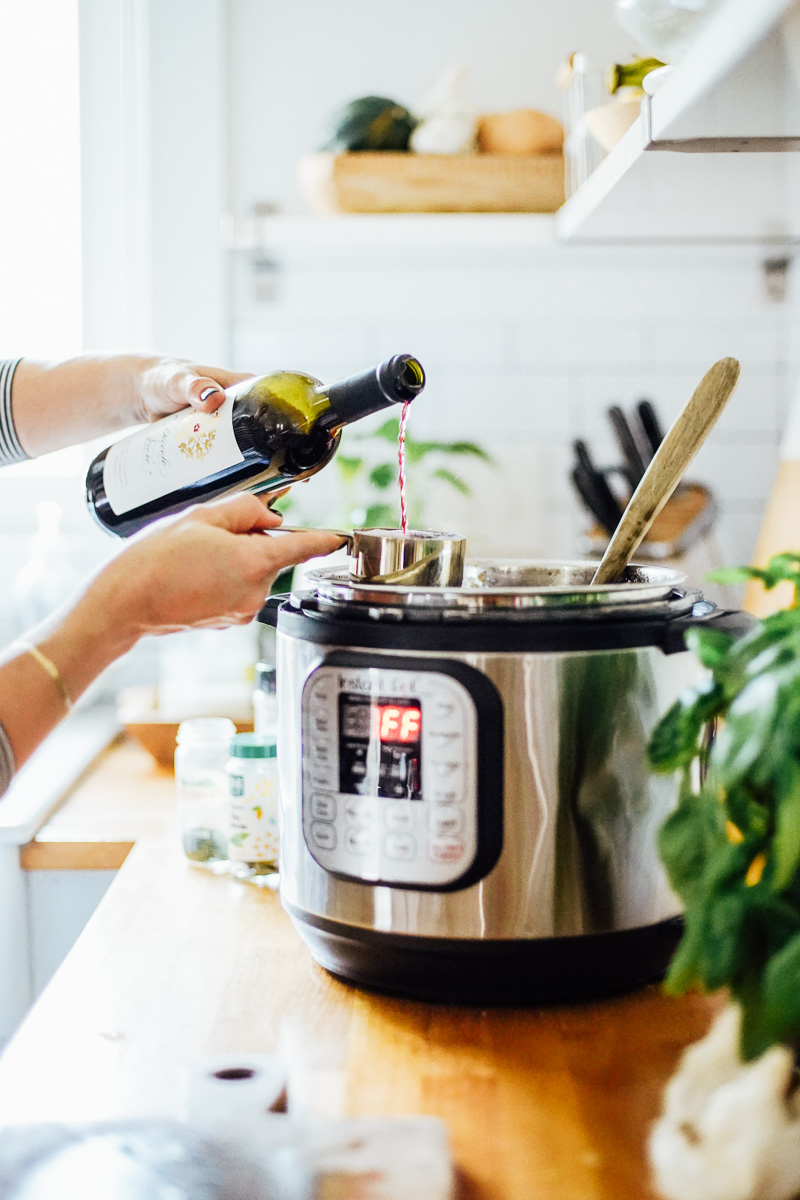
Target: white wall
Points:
(525, 352)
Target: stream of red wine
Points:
(401, 459)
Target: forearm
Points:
(80, 643)
(59, 404)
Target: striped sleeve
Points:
(10, 449)
(7, 764)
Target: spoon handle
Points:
(681, 443)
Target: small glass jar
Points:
(265, 701)
(200, 760)
(253, 812)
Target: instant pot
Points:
(467, 811)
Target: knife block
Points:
(681, 536)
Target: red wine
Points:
(270, 432)
(401, 459)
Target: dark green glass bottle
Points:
(270, 432)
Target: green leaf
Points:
(383, 475)
(349, 466)
(239, 839)
(454, 480)
(781, 568)
(380, 516)
(283, 582)
(786, 843)
(731, 576)
(710, 645)
(774, 1014)
(676, 739)
(471, 448)
(762, 727)
(389, 431)
(417, 451)
(725, 943)
(688, 839)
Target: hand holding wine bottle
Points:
(269, 432)
(211, 567)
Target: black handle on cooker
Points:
(269, 613)
(704, 615)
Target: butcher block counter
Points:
(178, 964)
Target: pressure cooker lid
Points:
(492, 585)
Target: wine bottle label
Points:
(168, 455)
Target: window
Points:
(40, 201)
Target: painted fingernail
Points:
(207, 392)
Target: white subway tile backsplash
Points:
(531, 350)
(531, 406)
(753, 341)
(738, 473)
(580, 343)
(301, 345)
(753, 407)
(463, 345)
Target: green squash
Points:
(371, 123)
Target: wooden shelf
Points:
(346, 234)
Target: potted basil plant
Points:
(731, 1122)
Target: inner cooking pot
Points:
(495, 586)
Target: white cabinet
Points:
(713, 154)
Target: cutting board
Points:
(384, 182)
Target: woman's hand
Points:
(59, 404)
(164, 385)
(211, 566)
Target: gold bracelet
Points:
(49, 667)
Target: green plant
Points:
(732, 846)
(368, 479)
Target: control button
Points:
(399, 818)
(445, 820)
(321, 721)
(323, 835)
(323, 807)
(321, 751)
(359, 812)
(446, 796)
(359, 841)
(443, 769)
(400, 845)
(445, 737)
(446, 849)
(320, 778)
(443, 709)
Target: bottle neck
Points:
(395, 381)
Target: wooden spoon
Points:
(681, 443)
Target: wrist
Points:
(83, 643)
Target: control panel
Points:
(391, 780)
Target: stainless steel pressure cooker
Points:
(467, 812)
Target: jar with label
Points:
(253, 791)
(200, 760)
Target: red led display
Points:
(395, 724)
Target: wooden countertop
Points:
(178, 964)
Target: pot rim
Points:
(644, 584)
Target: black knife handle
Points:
(635, 461)
(650, 424)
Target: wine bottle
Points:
(269, 432)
